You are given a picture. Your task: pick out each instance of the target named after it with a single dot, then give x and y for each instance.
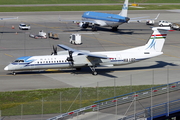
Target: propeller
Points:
(54, 51)
(70, 58)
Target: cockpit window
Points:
(20, 61)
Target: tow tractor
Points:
(41, 35)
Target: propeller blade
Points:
(70, 58)
(54, 51)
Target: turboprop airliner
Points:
(72, 58)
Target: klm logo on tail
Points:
(125, 7)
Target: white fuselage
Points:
(116, 58)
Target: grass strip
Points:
(85, 8)
(19, 2)
(58, 100)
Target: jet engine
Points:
(83, 25)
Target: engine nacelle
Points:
(83, 25)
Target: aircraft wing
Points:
(8, 18)
(139, 19)
(81, 52)
(79, 21)
(67, 48)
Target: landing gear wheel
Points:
(13, 73)
(94, 73)
(94, 28)
(114, 28)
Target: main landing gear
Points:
(94, 28)
(93, 70)
(114, 28)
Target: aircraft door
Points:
(118, 58)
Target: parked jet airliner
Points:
(99, 19)
(72, 58)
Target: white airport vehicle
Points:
(41, 35)
(164, 23)
(75, 39)
(23, 26)
(72, 58)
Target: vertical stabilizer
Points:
(157, 39)
(124, 9)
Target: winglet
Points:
(124, 9)
(157, 17)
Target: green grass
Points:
(11, 103)
(84, 8)
(13, 2)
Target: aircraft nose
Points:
(6, 68)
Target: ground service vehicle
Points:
(75, 39)
(53, 35)
(150, 22)
(40, 35)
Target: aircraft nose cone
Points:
(6, 68)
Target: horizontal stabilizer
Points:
(161, 28)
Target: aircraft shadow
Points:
(104, 72)
(160, 64)
(119, 31)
